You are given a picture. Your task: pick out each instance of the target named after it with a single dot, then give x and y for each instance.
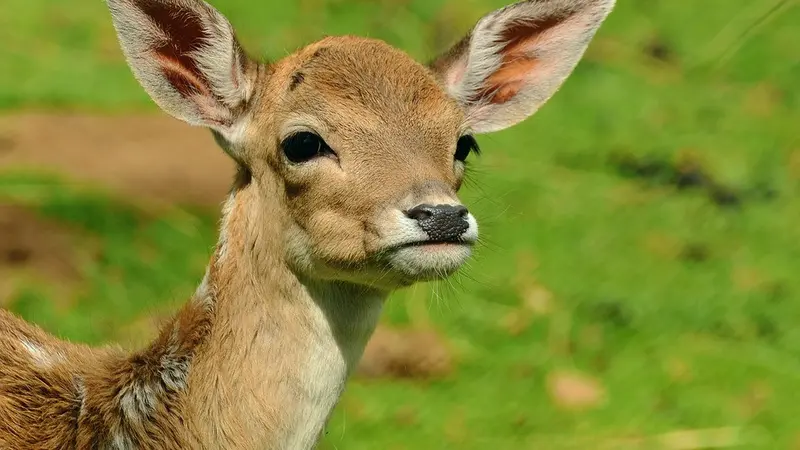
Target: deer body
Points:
(350, 155)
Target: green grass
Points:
(627, 307)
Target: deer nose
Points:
(441, 222)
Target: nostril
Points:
(424, 212)
(421, 212)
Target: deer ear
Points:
(185, 55)
(517, 57)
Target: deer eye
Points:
(305, 146)
(466, 145)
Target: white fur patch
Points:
(80, 392)
(120, 441)
(342, 326)
(471, 235)
(204, 294)
(138, 401)
(174, 371)
(227, 209)
(41, 356)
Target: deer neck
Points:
(279, 348)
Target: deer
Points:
(349, 157)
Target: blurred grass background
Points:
(639, 285)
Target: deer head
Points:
(357, 150)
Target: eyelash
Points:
(466, 144)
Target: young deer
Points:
(350, 155)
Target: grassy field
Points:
(641, 228)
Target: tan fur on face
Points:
(398, 127)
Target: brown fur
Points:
(307, 252)
(79, 400)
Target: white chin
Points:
(429, 262)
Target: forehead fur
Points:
(368, 76)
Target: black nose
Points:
(441, 222)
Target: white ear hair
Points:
(517, 57)
(185, 54)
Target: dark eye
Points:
(466, 144)
(305, 146)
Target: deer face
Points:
(370, 161)
(363, 148)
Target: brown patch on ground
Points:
(406, 416)
(662, 245)
(755, 400)
(794, 164)
(678, 370)
(456, 429)
(574, 391)
(763, 100)
(32, 246)
(516, 322)
(405, 353)
(748, 279)
(153, 157)
(536, 301)
(725, 437)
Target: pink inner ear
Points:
(183, 80)
(519, 63)
(506, 83)
(185, 33)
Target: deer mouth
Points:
(435, 243)
(427, 260)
